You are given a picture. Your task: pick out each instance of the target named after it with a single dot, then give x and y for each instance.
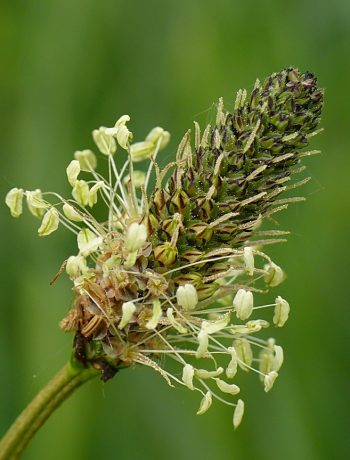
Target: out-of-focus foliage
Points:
(71, 66)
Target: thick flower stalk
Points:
(173, 269)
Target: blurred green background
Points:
(71, 66)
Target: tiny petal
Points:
(225, 387)
(250, 327)
(138, 178)
(203, 341)
(269, 380)
(278, 358)
(141, 151)
(49, 223)
(266, 358)
(128, 309)
(136, 236)
(104, 141)
(73, 170)
(238, 413)
(187, 296)
(244, 353)
(87, 159)
(204, 374)
(248, 257)
(187, 376)
(71, 214)
(231, 369)
(35, 203)
(14, 200)
(243, 304)
(123, 137)
(80, 192)
(88, 242)
(211, 327)
(256, 325)
(121, 132)
(205, 403)
(175, 324)
(281, 312)
(158, 135)
(75, 266)
(122, 121)
(274, 274)
(156, 315)
(93, 193)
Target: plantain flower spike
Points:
(165, 267)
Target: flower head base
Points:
(172, 272)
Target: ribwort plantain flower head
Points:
(173, 269)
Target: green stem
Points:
(42, 406)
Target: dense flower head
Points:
(174, 271)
